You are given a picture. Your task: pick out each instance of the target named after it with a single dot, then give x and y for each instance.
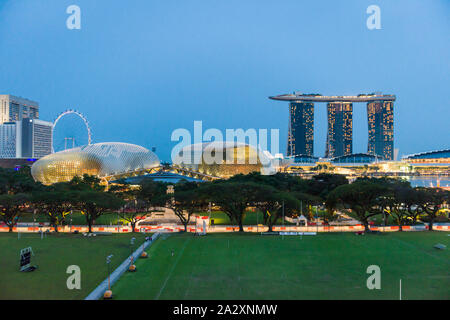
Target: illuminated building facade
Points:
(431, 157)
(100, 159)
(380, 113)
(380, 117)
(340, 129)
(301, 129)
(224, 159)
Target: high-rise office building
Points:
(340, 129)
(36, 138)
(9, 144)
(29, 138)
(380, 117)
(301, 129)
(14, 108)
(380, 113)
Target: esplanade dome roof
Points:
(100, 159)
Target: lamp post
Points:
(283, 221)
(132, 267)
(17, 226)
(257, 223)
(71, 211)
(209, 213)
(108, 293)
(144, 254)
(317, 221)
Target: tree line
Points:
(272, 195)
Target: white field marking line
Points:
(400, 289)
(171, 270)
(238, 270)
(420, 249)
(190, 281)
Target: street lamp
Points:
(317, 221)
(71, 211)
(283, 223)
(144, 254)
(209, 213)
(257, 222)
(108, 293)
(132, 267)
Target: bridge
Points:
(160, 169)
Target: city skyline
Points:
(126, 76)
(339, 142)
(220, 158)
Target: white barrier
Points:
(223, 228)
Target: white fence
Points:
(221, 228)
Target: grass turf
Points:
(326, 266)
(250, 218)
(77, 218)
(220, 218)
(53, 255)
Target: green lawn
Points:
(53, 255)
(220, 218)
(250, 218)
(326, 266)
(77, 218)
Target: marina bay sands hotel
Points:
(380, 117)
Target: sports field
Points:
(53, 255)
(326, 266)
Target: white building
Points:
(14, 108)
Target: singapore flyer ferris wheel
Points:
(70, 129)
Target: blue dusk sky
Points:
(140, 69)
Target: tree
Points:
(151, 193)
(271, 203)
(232, 197)
(132, 212)
(280, 181)
(135, 205)
(185, 201)
(362, 197)
(271, 191)
(415, 204)
(15, 189)
(432, 200)
(86, 182)
(17, 181)
(54, 202)
(322, 184)
(398, 203)
(88, 195)
(94, 203)
(11, 205)
(395, 201)
(307, 200)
